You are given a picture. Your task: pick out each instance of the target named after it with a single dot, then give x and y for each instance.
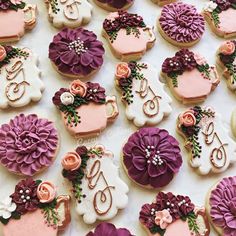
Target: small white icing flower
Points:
(67, 98)
(6, 208)
(210, 6)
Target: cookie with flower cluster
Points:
(28, 144)
(146, 101)
(208, 141)
(16, 18)
(85, 109)
(171, 214)
(220, 15)
(128, 36)
(163, 2)
(76, 53)
(97, 187)
(20, 77)
(181, 24)
(151, 157)
(114, 5)
(189, 76)
(69, 13)
(34, 209)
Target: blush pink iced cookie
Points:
(174, 215)
(128, 36)
(220, 15)
(16, 17)
(188, 75)
(114, 5)
(163, 2)
(34, 209)
(85, 109)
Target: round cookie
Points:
(151, 157)
(190, 78)
(28, 144)
(176, 215)
(76, 53)
(114, 5)
(128, 36)
(180, 24)
(163, 2)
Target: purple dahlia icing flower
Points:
(116, 3)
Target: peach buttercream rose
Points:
(3, 53)
(78, 88)
(71, 161)
(123, 70)
(227, 48)
(46, 192)
(187, 118)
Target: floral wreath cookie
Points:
(206, 138)
(34, 209)
(221, 206)
(97, 187)
(163, 2)
(180, 24)
(190, 78)
(220, 15)
(143, 94)
(69, 13)
(28, 144)
(174, 215)
(151, 157)
(81, 103)
(16, 17)
(114, 5)
(20, 77)
(76, 53)
(128, 36)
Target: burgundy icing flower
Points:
(95, 92)
(116, 3)
(173, 64)
(147, 215)
(187, 58)
(25, 196)
(76, 51)
(223, 4)
(5, 4)
(57, 97)
(82, 150)
(27, 144)
(152, 157)
(185, 205)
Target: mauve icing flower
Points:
(173, 64)
(81, 150)
(27, 144)
(163, 218)
(76, 51)
(152, 157)
(116, 3)
(187, 58)
(3, 53)
(4, 4)
(146, 215)
(95, 92)
(46, 192)
(57, 97)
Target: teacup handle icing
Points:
(30, 16)
(112, 100)
(152, 36)
(201, 212)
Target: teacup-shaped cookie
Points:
(34, 209)
(85, 108)
(15, 19)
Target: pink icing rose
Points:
(3, 53)
(78, 88)
(71, 161)
(16, 2)
(163, 219)
(46, 192)
(227, 48)
(123, 70)
(187, 118)
(199, 59)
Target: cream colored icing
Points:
(227, 23)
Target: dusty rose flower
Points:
(78, 88)
(123, 70)
(46, 192)
(71, 161)
(187, 118)
(227, 48)
(3, 53)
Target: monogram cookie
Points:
(20, 77)
(69, 13)
(211, 148)
(188, 75)
(114, 5)
(143, 94)
(97, 187)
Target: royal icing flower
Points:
(187, 118)
(95, 92)
(78, 88)
(210, 6)
(199, 59)
(71, 161)
(123, 70)
(15, 2)
(163, 219)
(46, 192)
(227, 48)
(67, 98)
(6, 208)
(3, 53)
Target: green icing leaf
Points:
(215, 17)
(156, 229)
(192, 223)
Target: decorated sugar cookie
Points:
(16, 18)
(69, 13)
(233, 122)
(220, 15)
(143, 94)
(152, 157)
(20, 77)
(34, 209)
(114, 5)
(84, 108)
(28, 144)
(190, 78)
(128, 36)
(163, 2)
(76, 53)
(211, 148)
(97, 187)
(174, 215)
(180, 24)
